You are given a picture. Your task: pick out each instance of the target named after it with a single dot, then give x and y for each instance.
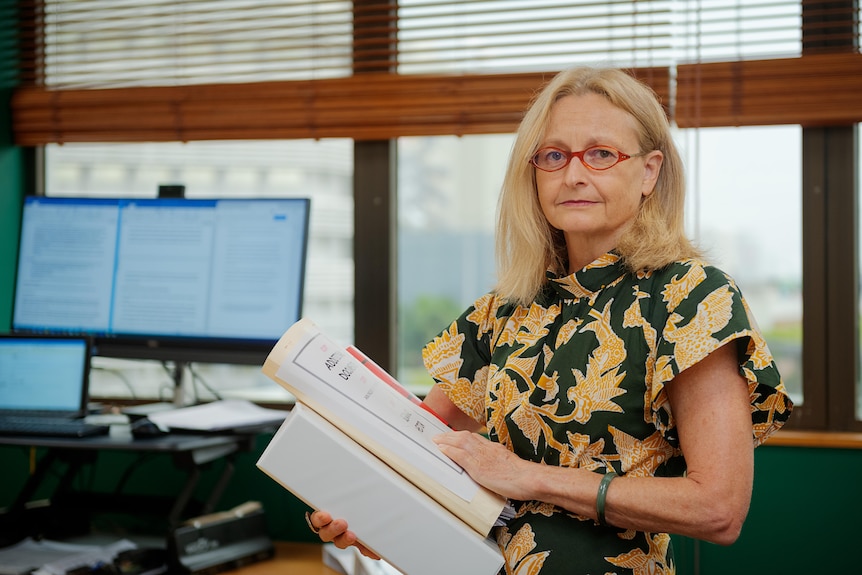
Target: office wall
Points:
(11, 160)
(804, 517)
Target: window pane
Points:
(447, 199)
(321, 170)
(745, 210)
(748, 220)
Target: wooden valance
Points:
(373, 106)
(815, 90)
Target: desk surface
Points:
(290, 559)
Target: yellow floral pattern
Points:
(577, 379)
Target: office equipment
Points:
(57, 473)
(44, 386)
(49, 427)
(46, 557)
(221, 541)
(326, 469)
(172, 190)
(144, 428)
(172, 279)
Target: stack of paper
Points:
(46, 557)
(221, 415)
(356, 426)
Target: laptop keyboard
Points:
(48, 427)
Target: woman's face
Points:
(592, 207)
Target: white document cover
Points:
(326, 469)
(348, 390)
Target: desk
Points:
(290, 559)
(189, 452)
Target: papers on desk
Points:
(56, 558)
(351, 562)
(222, 415)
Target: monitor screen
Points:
(170, 279)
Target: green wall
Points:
(803, 519)
(11, 164)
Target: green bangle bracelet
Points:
(603, 493)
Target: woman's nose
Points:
(576, 170)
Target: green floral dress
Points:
(577, 379)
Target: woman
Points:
(622, 383)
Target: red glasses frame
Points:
(621, 157)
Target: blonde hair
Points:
(527, 245)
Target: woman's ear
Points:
(652, 167)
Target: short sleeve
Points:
(702, 310)
(459, 357)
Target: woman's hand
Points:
(490, 464)
(336, 531)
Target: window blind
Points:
(768, 62)
(165, 70)
(117, 43)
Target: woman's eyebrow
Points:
(592, 141)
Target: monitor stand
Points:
(179, 388)
(179, 399)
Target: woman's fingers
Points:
(335, 531)
(317, 520)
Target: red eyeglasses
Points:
(597, 158)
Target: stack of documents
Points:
(46, 557)
(359, 446)
(222, 415)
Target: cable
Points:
(197, 378)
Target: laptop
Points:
(44, 385)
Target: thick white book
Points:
(411, 532)
(368, 405)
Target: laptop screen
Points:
(44, 374)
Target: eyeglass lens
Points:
(596, 157)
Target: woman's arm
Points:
(710, 404)
(440, 404)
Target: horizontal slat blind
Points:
(732, 30)
(818, 86)
(475, 35)
(8, 45)
(139, 70)
(111, 43)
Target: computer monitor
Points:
(184, 280)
